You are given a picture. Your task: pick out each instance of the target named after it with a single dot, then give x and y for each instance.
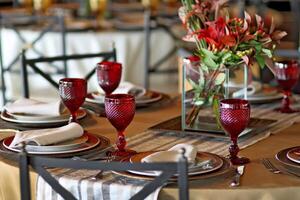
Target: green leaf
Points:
(220, 78)
(253, 42)
(216, 111)
(268, 52)
(225, 57)
(210, 62)
(258, 47)
(209, 54)
(260, 60)
(203, 67)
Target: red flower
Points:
(229, 40)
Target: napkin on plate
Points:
(173, 154)
(253, 88)
(125, 88)
(30, 106)
(48, 136)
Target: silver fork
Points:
(99, 175)
(267, 163)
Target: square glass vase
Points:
(202, 90)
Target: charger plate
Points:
(215, 163)
(36, 121)
(13, 157)
(91, 142)
(281, 156)
(225, 170)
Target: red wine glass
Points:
(120, 110)
(287, 74)
(109, 75)
(72, 92)
(234, 118)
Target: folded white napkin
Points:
(253, 88)
(173, 154)
(30, 106)
(126, 88)
(48, 136)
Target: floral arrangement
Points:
(224, 42)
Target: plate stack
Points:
(290, 159)
(206, 165)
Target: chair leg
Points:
(24, 176)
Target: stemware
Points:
(287, 74)
(109, 75)
(120, 110)
(72, 92)
(234, 118)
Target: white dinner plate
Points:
(62, 146)
(294, 155)
(91, 142)
(204, 163)
(34, 117)
(30, 119)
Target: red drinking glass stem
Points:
(121, 141)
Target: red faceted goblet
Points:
(287, 74)
(234, 118)
(109, 75)
(120, 110)
(72, 92)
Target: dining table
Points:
(256, 182)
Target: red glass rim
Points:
(72, 81)
(286, 63)
(106, 65)
(234, 103)
(119, 98)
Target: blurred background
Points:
(147, 36)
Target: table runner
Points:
(113, 186)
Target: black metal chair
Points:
(39, 164)
(32, 63)
(19, 22)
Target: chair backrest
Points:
(17, 22)
(38, 163)
(32, 63)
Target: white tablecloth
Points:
(130, 52)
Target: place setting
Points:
(201, 165)
(109, 81)
(29, 113)
(33, 113)
(61, 141)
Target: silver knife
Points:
(236, 179)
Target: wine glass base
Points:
(239, 160)
(287, 110)
(123, 154)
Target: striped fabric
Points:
(113, 186)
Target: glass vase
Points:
(202, 90)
